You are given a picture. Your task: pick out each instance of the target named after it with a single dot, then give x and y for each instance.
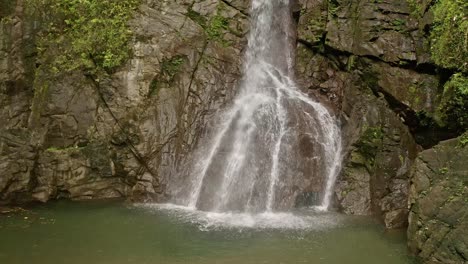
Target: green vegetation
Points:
(196, 17)
(333, 6)
(315, 27)
(449, 37)
(169, 69)
(413, 91)
(426, 119)
(7, 7)
(41, 92)
(463, 140)
(85, 34)
(453, 109)
(415, 7)
(443, 170)
(350, 65)
(370, 142)
(56, 149)
(218, 24)
(215, 27)
(399, 25)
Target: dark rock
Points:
(93, 138)
(437, 224)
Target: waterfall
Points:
(274, 142)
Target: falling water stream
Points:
(274, 142)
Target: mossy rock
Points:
(453, 109)
(215, 27)
(86, 35)
(449, 36)
(7, 7)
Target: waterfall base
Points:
(311, 219)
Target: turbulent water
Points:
(274, 143)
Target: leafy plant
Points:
(169, 69)
(449, 37)
(463, 140)
(398, 24)
(85, 34)
(215, 27)
(443, 170)
(453, 109)
(218, 24)
(415, 7)
(333, 6)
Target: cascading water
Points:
(274, 142)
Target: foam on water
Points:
(228, 220)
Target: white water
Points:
(273, 143)
(207, 221)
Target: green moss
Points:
(196, 17)
(333, 6)
(463, 140)
(350, 65)
(215, 27)
(370, 79)
(399, 25)
(315, 28)
(68, 149)
(154, 87)
(41, 93)
(443, 170)
(168, 71)
(425, 120)
(87, 35)
(453, 109)
(416, 8)
(7, 7)
(449, 37)
(369, 143)
(171, 67)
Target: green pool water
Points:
(65, 232)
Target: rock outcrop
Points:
(363, 57)
(438, 224)
(69, 135)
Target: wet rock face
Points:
(17, 155)
(361, 58)
(380, 152)
(79, 174)
(365, 28)
(17, 163)
(139, 122)
(438, 197)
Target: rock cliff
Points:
(438, 203)
(120, 134)
(82, 134)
